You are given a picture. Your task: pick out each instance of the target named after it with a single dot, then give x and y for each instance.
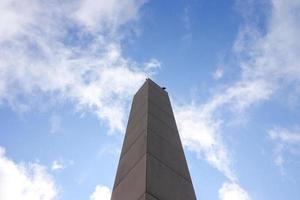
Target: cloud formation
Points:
(57, 165)
(49, 53)
(269, 60)
(55, 123)
(73, 52)
(101, 193)
(232, 191)
(286, 141)
(27, 181)
(67, 52)
(200, 133)
(218, 73)
(102, 15)
(15, 17)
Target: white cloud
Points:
(239, 96)
(232, 191)
(57, 165)
(110, 149)
(101, 193)
(82, 67)
(286, 141)
(200, 124)
(27, 181)
(269, 61)
(200, 133)
(152, 65)
(284, 135)
(278, 160)
(99, 14)
(273, 56)
(15, 17)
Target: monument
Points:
(152, 164)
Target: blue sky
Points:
(69, 70)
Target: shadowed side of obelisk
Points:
(168, 176)
(152, 164)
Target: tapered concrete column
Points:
(152, 164)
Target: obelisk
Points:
(152, 164)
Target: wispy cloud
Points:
(285, 135)
(111, 150)
(57, 165)
(55, 123)
(15, 17)
(268, 61)
(272, 56)
(25, 181)
(232, 191)
(107, 15)
(218, 73)
(200, 133)
(152, 65)
(200, 124)
(186, 20)
(72, 52)
(286, 141)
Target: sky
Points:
(69, 70)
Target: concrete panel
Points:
(169, 185)
(160, 114)
(137, 114)
(133, 133)
(159, 89)
(135, 120)
(131, 157)
(133, 186)
(168, 154)
(159, 99)
(139, 101)
(142, 91)
(163, 130)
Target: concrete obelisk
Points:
(152, 164)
